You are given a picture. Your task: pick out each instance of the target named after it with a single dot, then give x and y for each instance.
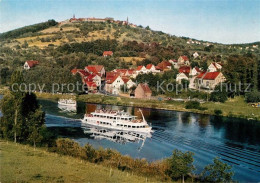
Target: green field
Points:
(20, 163)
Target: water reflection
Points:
(116, 136)
(67, 108)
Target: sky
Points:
(222, 21)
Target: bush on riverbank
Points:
(112, 158)
(194, 105)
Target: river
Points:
(235, 141)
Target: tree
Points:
(220, 93)
(217, 172)
(180, 164)
(16, 81)
(253, 97)
(36, 124)
(22, 118)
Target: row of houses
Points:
(201, 79)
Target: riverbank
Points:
(24, 164)
(236, 107)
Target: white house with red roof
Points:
(214, 66)
(183, 60)
(113, 83)
(209, 80)
(182, 76)
(174, 63)
(30, 63)
(195, 71)
(107, 53)
(93, 78)
(164, 66)
(96, 69)
(128, 82)
(151, 68)
(141, 69)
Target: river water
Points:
(235, 141)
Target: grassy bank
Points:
(20, 163)
(236, 107)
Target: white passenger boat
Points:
(118, 120)
(68, 102)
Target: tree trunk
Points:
(15, 124)
(34, 145)
(182, 178)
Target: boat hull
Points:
(141, 130)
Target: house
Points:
(185, 69)
(174, 63)
(30, 63)
(195, 55)
(181, 76)
(183, 60)
(113, 83)
(164, 66)
(126, 72)
(83, 73)
(209, 79)
(94, 78)
(151, 68)
(107, 53)
(143, 91)
(91, 86)
(214, 66)
(195, 71)
(96, 69)
(128, 82)
(74, 71)
(141, 69)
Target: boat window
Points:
(137, 127)
(111, 117)
(114, 117)
(125, 125)
(133, 126)
(121, 125)
(117, 125)
(129, 126)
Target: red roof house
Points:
(30, 63)
(164, 65)
(184, 69)
(143, 91)
(107, 53)
(96, 69)
(211, 75)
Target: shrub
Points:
(192, 105)
(219, 94)
(253, 97)
(218, 112)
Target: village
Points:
(122, 81)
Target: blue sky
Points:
(223, 21)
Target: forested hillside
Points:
(64, 46)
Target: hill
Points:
(60, 47)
